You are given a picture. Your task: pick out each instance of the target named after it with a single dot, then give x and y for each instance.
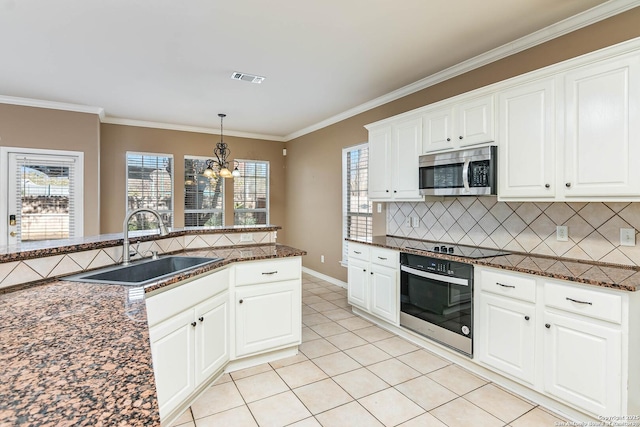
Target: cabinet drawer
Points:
(275, 270)
(510, 285)
(587, 302)
(385, 257)
(359, 251)
(169, 303)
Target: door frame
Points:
(4, 181)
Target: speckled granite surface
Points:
(53, 247)
(76, 354)
(597, 274)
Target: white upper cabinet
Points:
(602, 129)
(526, 131)
(393, 160)
(456, 125)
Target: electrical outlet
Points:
(322, 258)
(627, 237)
(246, 237)
(379, 207)
(562, 233)
(415, 222)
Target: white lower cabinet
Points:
(583, 363)
(373, 281)
(509, 342)
(189, 346)
(564, 340)
(268, 316)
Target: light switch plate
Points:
(627, 237)
(415, 222)
(246, 237)
(379, 207)
(562, 233)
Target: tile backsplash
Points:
(594, 228)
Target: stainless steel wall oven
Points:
(436, 300)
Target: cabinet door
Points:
(379, 161)
(438, 130)
(406, 146)
(358, 283)
(384, 292)
(602, 129)
(506, 336)
(474, 121)
(212, 336)
(583, 363)
(172, 344)
(527, 141)
(267, 316)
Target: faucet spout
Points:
(125, 230)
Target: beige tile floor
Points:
(350, 372)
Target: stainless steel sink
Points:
(142, 272)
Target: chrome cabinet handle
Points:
(504, 286)
(268, 273)
(579, 302)
(465, 173)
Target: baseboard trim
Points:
(324, 277)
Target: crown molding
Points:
(573, 23)
(186, 128)
(52, 105)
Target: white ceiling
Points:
(170, 61)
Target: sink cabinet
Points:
(189, 335)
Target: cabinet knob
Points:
(193, 324)
(371, 273)
(202, 319)
(568, 185)
(241, 301)
(460, 137)
(546, 325)
(448, 139)
(386, 191)
(364, 269)
(394, 191)
(547, 185)
(526, 317)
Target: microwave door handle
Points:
(437, 277)
(465, 174)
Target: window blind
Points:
(45, 200)
(203, 197)
(150, 185)
(357, 209)
(251, 193)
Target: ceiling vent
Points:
(247, 77)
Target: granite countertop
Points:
(626, 278)
(53, 247)
(78, 354)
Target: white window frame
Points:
(345, 243)
(268, 201)
(4, 190)
(224, 184)
(173, 181)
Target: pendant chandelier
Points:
(221, 163)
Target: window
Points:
(203, 197)
(150, 185)
(251, 193)
(357, 213)
(44, 195)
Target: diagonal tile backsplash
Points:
(594, 228)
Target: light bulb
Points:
(235, 173)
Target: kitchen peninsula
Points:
(79, 353)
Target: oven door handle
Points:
(439, 278)
(465, 174)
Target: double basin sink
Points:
(142, 272)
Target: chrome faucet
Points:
(125, 230)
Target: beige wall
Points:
(313, 186)
(118, 139)
(30, 127)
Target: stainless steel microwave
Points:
(459, 173)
